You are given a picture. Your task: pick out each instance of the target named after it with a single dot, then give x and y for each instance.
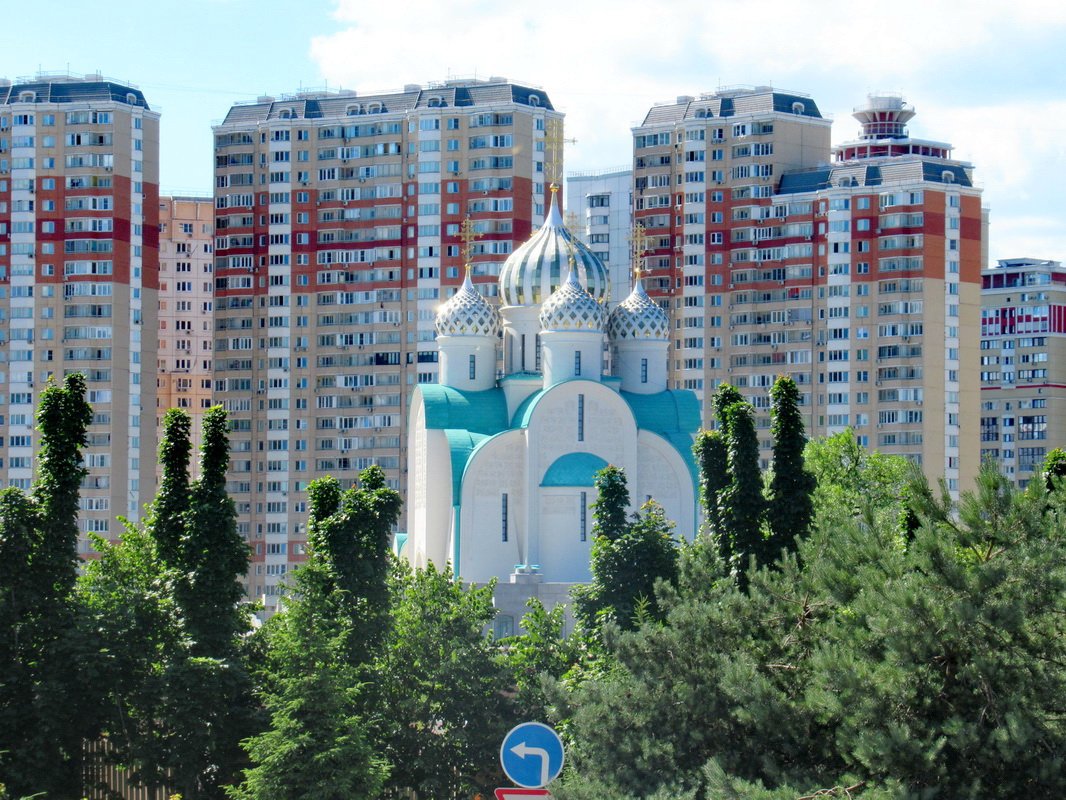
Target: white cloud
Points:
(605, 63)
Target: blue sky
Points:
(986, 75)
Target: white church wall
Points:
(663, 475)
(496, 468)
(564, 556)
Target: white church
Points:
(503, 450)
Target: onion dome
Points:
(467, 313)
(638, 317)
(538, 267)
(571, 308)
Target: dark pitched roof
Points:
(732, 104)
(337, 105)
(62, 91)
(806, 180)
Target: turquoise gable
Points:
(573, 469)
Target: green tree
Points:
(321, 650)
(629, 554)
(128, 596)
(724, 396)
(859, 668)
(741, 504)
(48, 701)
(1054, 467)
(610, 510)
(446, 689)
(214, 556)
(853, 483)
(354, 537)
(541, 652)
(789, 508)
(712, 456)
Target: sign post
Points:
(532, 756)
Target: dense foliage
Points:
(867, 638)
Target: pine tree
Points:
(790, 507)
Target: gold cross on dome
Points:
(553, 145)
(639, 245)
(469, 235)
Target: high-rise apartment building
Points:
(602, 203)
(337, 235)
(1023, 364)
(79, 186)
(186, 321)
(858, 276)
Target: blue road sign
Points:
(532, 755)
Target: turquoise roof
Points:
(478, 412)
(573, 469)
(467, 419)
(674, 415)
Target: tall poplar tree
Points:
(741, 503)
(790, 506)
(712, 456)
(46, 699)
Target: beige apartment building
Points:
(186, 322)
(854, 269)
(79, 186)
(337, 236)
(1023, 364)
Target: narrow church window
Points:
(577, 364)
(503, 517)
(643, 370)
(522, 357)
(581, 417)
(473, 367)
(584, 516)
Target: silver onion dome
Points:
(538, 267)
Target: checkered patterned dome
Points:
(467, 313)
(638, 317)
(571, 308)
(538, 267)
